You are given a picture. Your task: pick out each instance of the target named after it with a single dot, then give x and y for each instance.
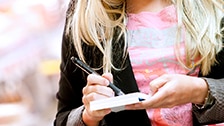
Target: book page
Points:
(117, 103)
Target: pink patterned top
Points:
(151, 48)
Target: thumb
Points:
(108, 76)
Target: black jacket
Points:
(72, 80)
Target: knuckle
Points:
(92, 96)
(83, 90)
(84, 99)
(165, 76)
(95, 88)
(89, 78)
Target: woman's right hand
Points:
(96, 89)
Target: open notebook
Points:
(117, 103)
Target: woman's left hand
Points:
(170, 90)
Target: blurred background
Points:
(30, 43)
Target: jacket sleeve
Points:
(75, 118)
(214, 114)
(215, 79)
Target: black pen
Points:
(88, 70)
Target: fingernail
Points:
(106, 82)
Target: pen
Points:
(88, 70)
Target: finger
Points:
(151, 103)
(157, 83)
(158, 100)
(155, 101)
(108, 76)
(92, 97)
(96, 113)
(96, 79)
(136, 106)
(98, 89)
(86, 99)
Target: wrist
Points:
(88, 120)
(208, 100)
(201, 92)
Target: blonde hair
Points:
(94, 21)
(201, 19)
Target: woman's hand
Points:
(174, 89)
(95, 89)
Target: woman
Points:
(171, 50)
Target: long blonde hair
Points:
(94, 21)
